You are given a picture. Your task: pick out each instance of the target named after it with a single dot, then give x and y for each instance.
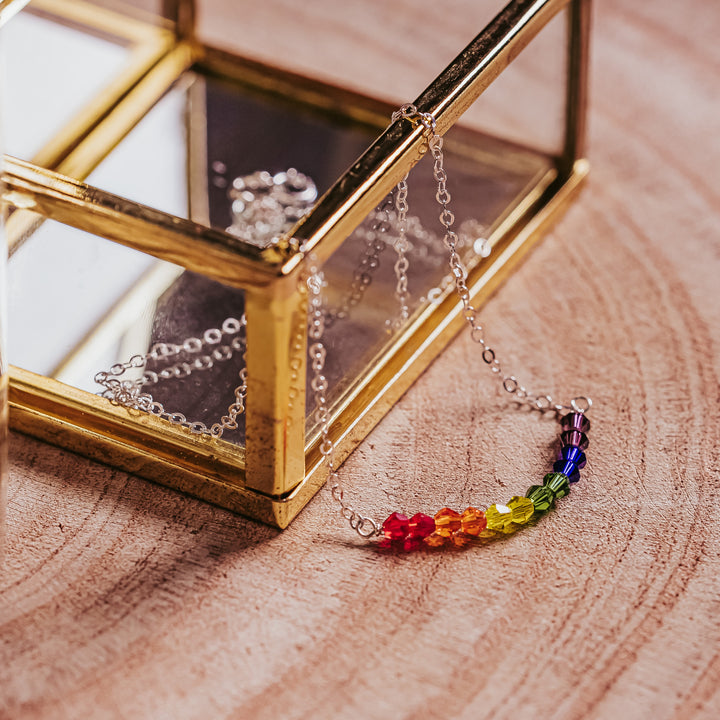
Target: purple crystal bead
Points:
(576, 438)
(569, 468)
(575, 421)
(574, 455)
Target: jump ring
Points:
(581, 404)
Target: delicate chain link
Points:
(383, 224)
(365, 527)
(369, 261)
(129, 393)
(401, 247)
(447, 218)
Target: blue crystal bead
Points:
(573, 454)
(569, 468)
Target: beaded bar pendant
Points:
(451, 528)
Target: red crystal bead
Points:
(396, 526)
(421, 526)
(412, 543)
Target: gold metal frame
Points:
(10, 8)
(280, 469)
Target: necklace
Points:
(447, 527)
(265, 206)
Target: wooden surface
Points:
(121, 599)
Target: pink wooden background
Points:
(121, 599)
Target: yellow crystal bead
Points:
(522, 509)
(499, 518)
(488, 534)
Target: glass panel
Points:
(153, 10)
(270, 34)
(3, 325)
(526, 104)
(150, 166)
(294, 37)
(81, 304)
(78, 303)
(53, 72)
(488, 180)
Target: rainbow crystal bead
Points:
(541, 498)
(574, 455)
(435, 539)
(411, 543)
(568, 468)
(557, 483)
(499, 518)
(396, 526)
(420, 526)
(460, 539)
(522, 509)
(447, 522)
(575, 421)
(473, 521)
(574, 438)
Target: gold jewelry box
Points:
(117, 189)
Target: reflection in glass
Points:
(55, 72)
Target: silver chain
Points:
(369, 261)
(367, 527)
(383, 223)
(401, 247)
(130, 393)
(477, 332)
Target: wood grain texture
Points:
(121, 599)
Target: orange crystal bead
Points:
(447, 522)
(435, 539)
(473, 521)
(460, 539)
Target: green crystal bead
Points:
(500, 519)
(541, 497)
(557, 483)
(522, 509)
